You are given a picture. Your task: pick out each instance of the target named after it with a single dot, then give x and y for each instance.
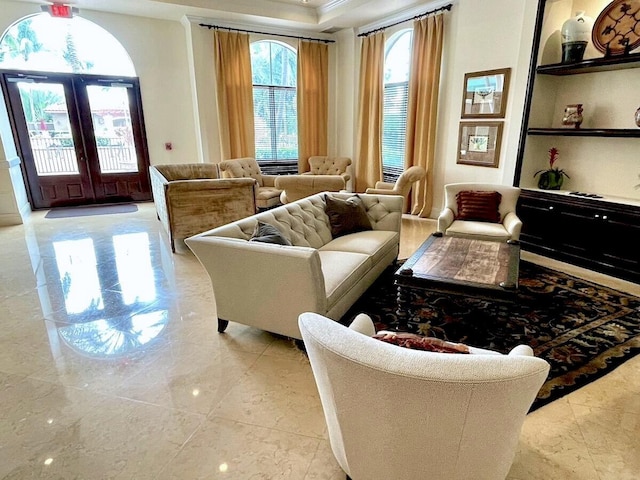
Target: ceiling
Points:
(315, 15)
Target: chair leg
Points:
(348, 477)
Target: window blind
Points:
(394, 129)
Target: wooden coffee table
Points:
(459, 266)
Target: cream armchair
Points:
(323, 165)
(402, 186)
(267, 194)
(191, 198)
(508, 227)
(295, 187)
(396, 413)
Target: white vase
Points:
(576, 33)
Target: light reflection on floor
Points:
(112, 298)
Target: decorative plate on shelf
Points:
(616, 31)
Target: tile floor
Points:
(111, 367)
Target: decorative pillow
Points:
(268, 234)
(346, 216)
(478, 206)
(418, 342)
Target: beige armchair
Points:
(322, 165)
(507, 227)
(191, 198)
(295, 187)
(267, 194)
(403, 184)
(396, 413)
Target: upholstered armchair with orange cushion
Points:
(480, 210)
(402, 186)
(267, 194)
(405, 414)
(191, 198)
(295, 187)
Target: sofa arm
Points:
(242, 276)
(158, 189)
(195, 206)
(381, 190)
(513, 225)
(269, 180)
(445, 219)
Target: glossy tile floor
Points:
(111, 367)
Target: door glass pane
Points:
(45, 109)
(112, 128)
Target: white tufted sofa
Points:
(268, 286)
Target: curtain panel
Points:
(422, 113)
(234, 94)
(313, 101)
(369, 134)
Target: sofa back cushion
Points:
(328, 165)
(306, 224)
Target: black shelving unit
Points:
(586, 132)
(617, 62)
(598, 234)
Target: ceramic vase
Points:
(550, 180)
(576, 33)
(572, 115)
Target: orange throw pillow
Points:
(478, 206)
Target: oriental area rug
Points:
(582, 329)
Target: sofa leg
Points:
(222, 325)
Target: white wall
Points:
(159, 53)
(175, 64)
(498, 35)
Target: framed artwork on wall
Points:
(485, 93)
(479, 143)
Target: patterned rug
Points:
(582, 329)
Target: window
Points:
(397, 65)
(66, 45)
(274, 70)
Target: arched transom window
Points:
(65, 45)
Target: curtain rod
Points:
(217, 27)
(446, 7)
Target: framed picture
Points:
(479, 143)
(485, 93)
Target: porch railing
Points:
(54, 156)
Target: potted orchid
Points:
(551, 178)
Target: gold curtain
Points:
(313, 101)
(234, 94)
(369, 140)
(422, 110)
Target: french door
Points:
(81, 137)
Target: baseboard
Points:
(9, 219)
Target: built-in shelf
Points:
(586, 132)
(618, 62)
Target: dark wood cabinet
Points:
(596, 233)
(592, 233)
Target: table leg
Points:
(403, 309)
